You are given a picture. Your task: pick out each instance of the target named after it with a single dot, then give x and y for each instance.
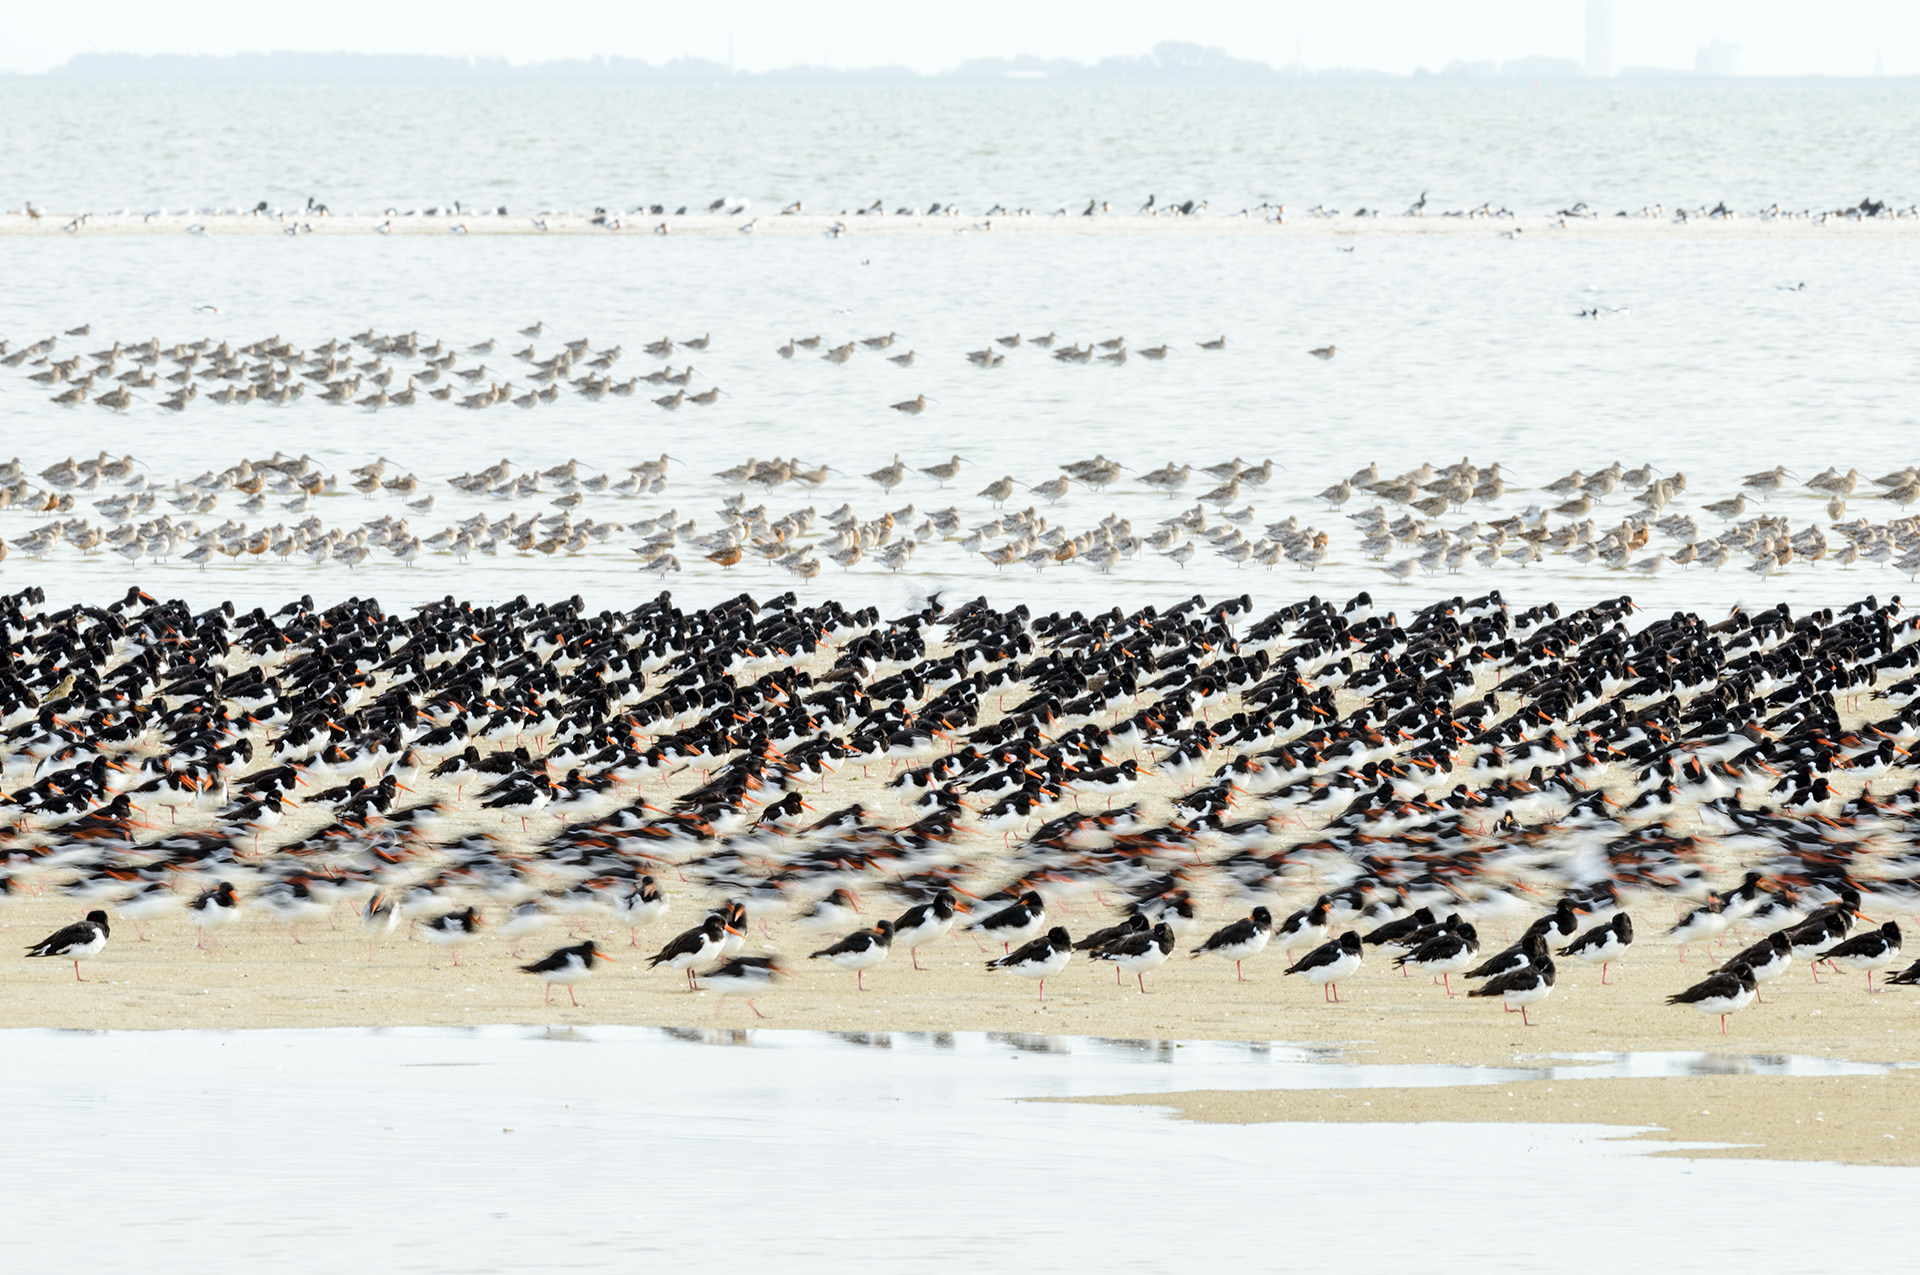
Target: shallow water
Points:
(1448, 347)
(432, 1149)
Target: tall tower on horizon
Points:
(1599, 38)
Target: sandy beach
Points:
(1293, 225)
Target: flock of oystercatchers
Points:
(1418, 778)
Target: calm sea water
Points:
(1531, 146)
(496, 1149)
(1448, 346)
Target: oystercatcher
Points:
(695, 947)
(567, 965)
(642, 905)
(1445, 954)
(1727, 991)
(923, 923)
(1134, 923)
(1706, 922)
(1603, 943)
(1768, 959)
(1247, 937)
(859, 951)
(75, 942)
(1018, 922)
(1041, 959)
(1329, 963)
(1874, 950)
(1523, 986)
(1139, 951)
(744, 976)
(1305, 928)
(214, 910)
(451, 929)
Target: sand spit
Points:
(1837, 1119)
(16, 222)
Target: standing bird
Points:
(859, 951)
(696, 947)
(1139, 951)
(1329, 963)
(452, 929)
(75, 942)
(1018, 922)
(744, 976)
(1726, 992)
(1874, 950)
(568, 965)
(923, 923)
(1521, 987)
(1247, 937)
(1041, 959)
(1603, 943)
(214, 910)
(1445, 954)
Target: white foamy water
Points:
(508, 1149)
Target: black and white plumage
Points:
(1305, 928)
(859, 951)
(1329, 963)
(1132, 923)
(1042, 958)
(1139, 951)
(745, 976)
(75, 942)
(213, 911)
(452, 930)
(1724, 992)
(1524, 986)
(1908, 977)
(923, 923)
(1768, 959)
(1702, 925)
(642, 905)
(1245, 938)
(1522, 954)
(1018, 922)
(1445, 954)
(1603, 944)
(567, 965)
(1874, 950)
(695, 947)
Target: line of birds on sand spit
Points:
(1419, 778)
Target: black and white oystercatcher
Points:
(568, 965)
(1247, 937)
(859, 951)
(1329, 963)
(1041, 959)
(75, 942)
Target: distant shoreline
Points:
(14, 222)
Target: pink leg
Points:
(549, 993)
(1043, 991)
(576, 999)
(755, 1008)
(860, 979)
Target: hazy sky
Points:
(1775, 37)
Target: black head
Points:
(99, 918)
(1059, 937)
(885, 929)
(1350, 943)
(1261, 916)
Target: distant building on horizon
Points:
(1716, 57)
(1599, 38)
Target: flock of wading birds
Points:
(1375, 781)
(136, 518)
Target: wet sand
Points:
(1837, 1119)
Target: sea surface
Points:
(1530, 146)
(1714, 356)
